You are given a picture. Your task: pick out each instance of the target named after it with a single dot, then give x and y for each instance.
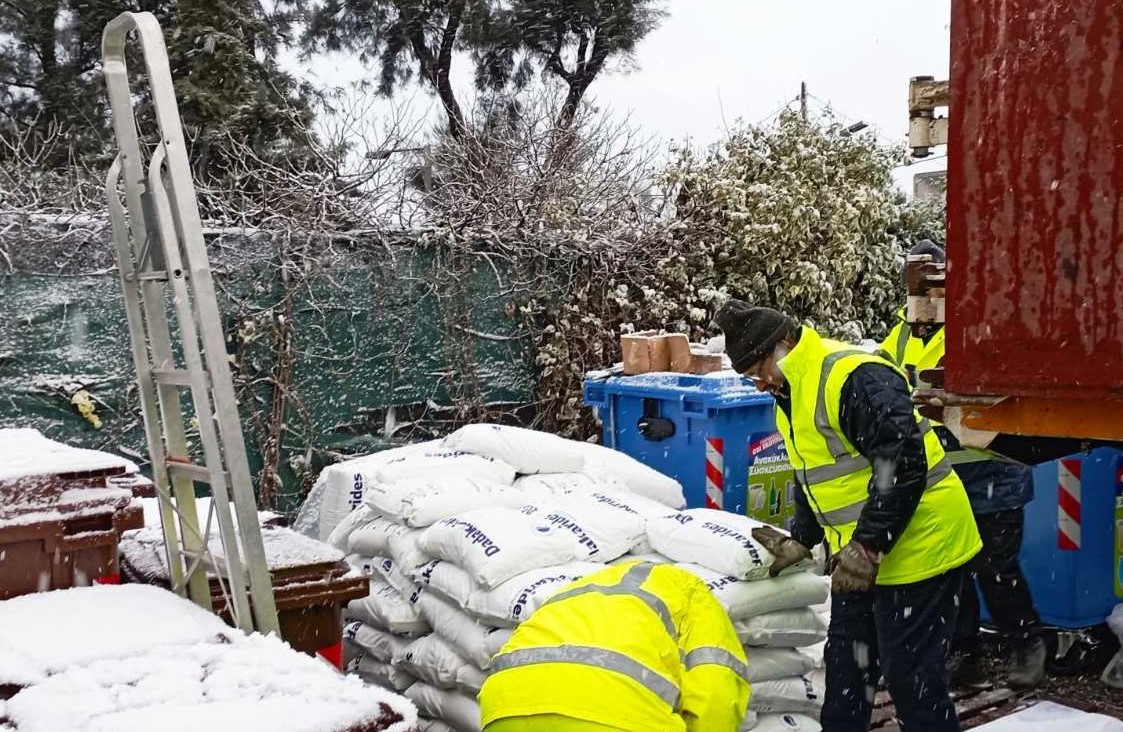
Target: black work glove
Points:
(785, 550)
(855, 569)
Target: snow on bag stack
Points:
(772, 616)
(462, 540)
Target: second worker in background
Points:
(999, 491)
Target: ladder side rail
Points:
(186, 214)
(147, 387)
(174, 441)
(190, 228)
(204, 410)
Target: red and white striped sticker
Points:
(715, 472)
(1068, 504)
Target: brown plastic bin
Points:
(59, 553)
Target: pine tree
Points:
(230, 87)
(49, 66)
(572, 40)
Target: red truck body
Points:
(1035, 209)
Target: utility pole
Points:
(803, 100)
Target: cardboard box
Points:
(702, 362)
(644, 352)
(678, 347)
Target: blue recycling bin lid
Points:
(699, 394)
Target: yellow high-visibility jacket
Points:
(940, 536)
(638, 646)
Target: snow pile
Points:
(144, 559)
(459, 555)
(44, 480)
(26, 453)
(462, 540)
(142, 659)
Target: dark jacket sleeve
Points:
(876, 415)
(805, 527)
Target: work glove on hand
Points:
(855, 569)
(785, 550)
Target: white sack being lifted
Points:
(421, 502)
(494, 544)
(717, 540)
(527, 451)
(743, 600)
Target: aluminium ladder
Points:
(161, 255)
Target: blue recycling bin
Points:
(714, 433)
(1071, 549)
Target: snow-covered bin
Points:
(311, 584)
(62, 510)
(38, 474)
(136, 658)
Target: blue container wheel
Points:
(715, 434)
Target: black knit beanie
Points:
(751, 333)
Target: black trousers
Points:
(1000, 578)
(901, 632)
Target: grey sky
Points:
(714, 61)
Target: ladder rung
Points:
(179, 377)
(193, 471)
(148, 275)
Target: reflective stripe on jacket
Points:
(638, 646)
(941, 534)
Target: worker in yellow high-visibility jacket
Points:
(637, 646)
(876, 486)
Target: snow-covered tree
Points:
(801, 216)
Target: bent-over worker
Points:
(878, 489)
(637, 646)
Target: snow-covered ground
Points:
(136, 658)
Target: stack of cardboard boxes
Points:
(651, 351)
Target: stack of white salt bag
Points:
(774, 617)
(466, 537)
